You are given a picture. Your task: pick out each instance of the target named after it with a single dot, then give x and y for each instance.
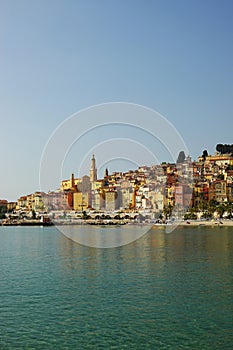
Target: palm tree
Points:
(206, 215)
(85, 216)
(212, 205)
(167, 210)
(229, 209)
(221, 208)
(202, 206)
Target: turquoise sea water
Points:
(164, 291)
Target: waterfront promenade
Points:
(209, 223)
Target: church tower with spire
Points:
(93, 170)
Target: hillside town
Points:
(186, 190)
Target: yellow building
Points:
(219, 191)
(38, 201)
(81, 201)
(111, 202)
(11, 206)
(98, 201)
(126, 195)
(219, 159)
(69, 184)
(97, 185)
(157, 200)
(22, 203)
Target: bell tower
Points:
(93, 170)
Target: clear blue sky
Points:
(57, 57)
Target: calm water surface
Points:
(164, 291)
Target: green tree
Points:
(33, 214)
(202, 206)
(85, 216)
(190, 216)
(2, 216)
(224, 148)
(3, 209)
(167, 210)
(221, 210)
(207, 215)
(204, 154)
(229, 209)
(212, 206)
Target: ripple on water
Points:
(161, 292)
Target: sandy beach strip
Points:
(199, 223)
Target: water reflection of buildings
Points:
(182, 252)
(149, 249)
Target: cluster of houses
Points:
(149, 188)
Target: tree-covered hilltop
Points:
(224, 149)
